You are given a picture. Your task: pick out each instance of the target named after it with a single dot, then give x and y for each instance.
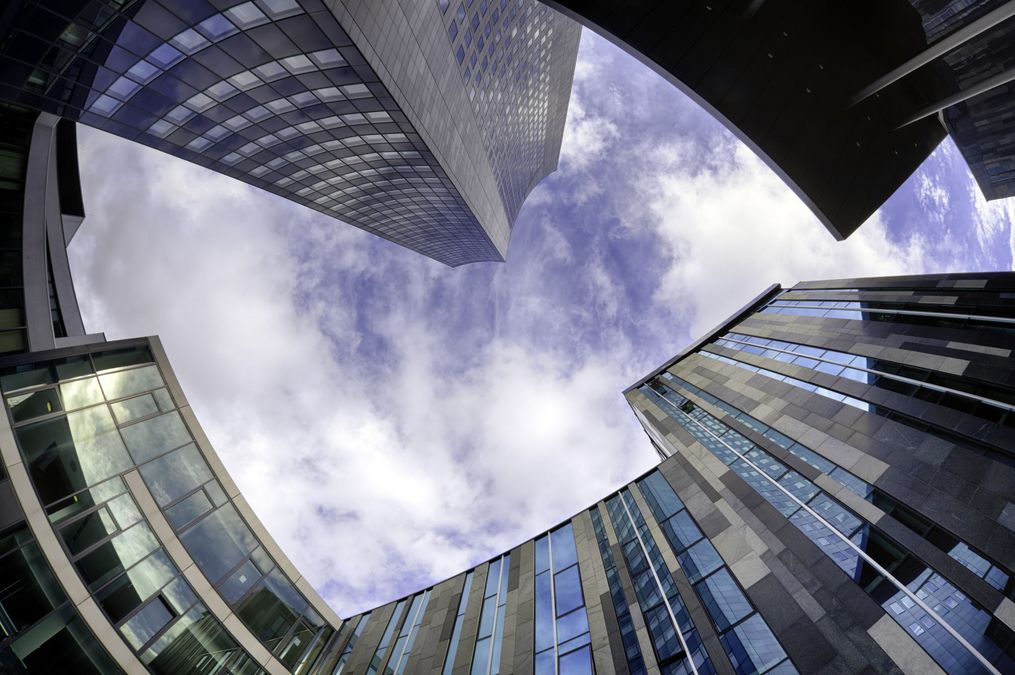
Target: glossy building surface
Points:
(834, 494)
(863, 433)
(345, 107)
(840, 99)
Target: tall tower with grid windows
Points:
(426, 123)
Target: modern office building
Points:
(842, 100)
(423, 123)
(837, 460)
(834, 495)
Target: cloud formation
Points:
(393, 421)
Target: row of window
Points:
(562, 624)
(84, 421)
(925, 604)
(994, 574)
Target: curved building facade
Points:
(358, 110)
(834, 495)
(837, 460)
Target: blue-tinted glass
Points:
(663, 634)
(798, 486)
(831, 545)
(486, 617)
(544, 612)
(700, 560)
(562, 543)
(767, 463)
(839, 517)
(572, 625)
(856, 485)
(569, 592)
(165, 56)
(723, 599)
(492, 578)
(542, 554)
(216, 27)
(660, 496)
(578, 662)
(765, 487)
(681, 531)
(544, 663)
(481, 657)
(752, 647)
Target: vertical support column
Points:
(41, 204)
(44, 249)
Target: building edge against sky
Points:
(842, 100)
(834, 492)
(371, 112)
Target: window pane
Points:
(146, 623)
(81, 393)
(572, 625)
(562, 544)
(87, 531)
(189, 509)
(174, 475)
(700, 560)
(577, 662)
(723, 599)
(154, 436)
(219, 542)
(119, 553)
(239, 581)
(68, 454)
(36, 404)
(271, 608)
(569, 591)
(28, 590)
(134, 381)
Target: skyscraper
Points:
(423, 125)
(834, 493)
(842, 100)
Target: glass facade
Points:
(487, 656)
(40, 631)
(83, 423)
(562, 624)
(275, 93)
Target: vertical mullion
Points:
(659, 584)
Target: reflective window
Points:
(155, 436)
(70, 453)
(486, 657)
(219, 542)
(456, 633)
(173, 475)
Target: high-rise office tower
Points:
(834, 495)
(420, 122)
(842, 100)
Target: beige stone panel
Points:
(902, 648)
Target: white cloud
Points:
(732, 232)
(375, 477)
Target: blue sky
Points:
(393, 421)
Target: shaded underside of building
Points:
(842, 100)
